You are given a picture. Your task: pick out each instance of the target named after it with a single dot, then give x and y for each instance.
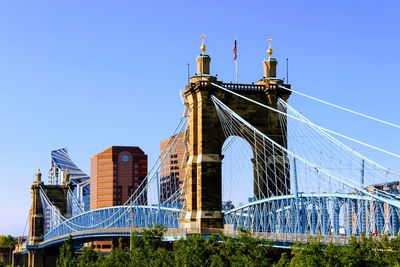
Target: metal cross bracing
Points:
(328, 189)
(117, 217)
(316, 214)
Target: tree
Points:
(152, 238)
(7, 241)
(250, 251)
(89, 258)
(283, 261)
(148, 250)
(308, 255)
(332, 255)
(138, 252)
(363, 252)
(192, 252)
(119, 257)
(66, 258)
(243, 251)
(392, 257)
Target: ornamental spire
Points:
(269, 48)
(203, 46)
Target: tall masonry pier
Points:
(206, 137)
(57, 194)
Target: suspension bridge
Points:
(305, 181)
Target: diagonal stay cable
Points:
(336, 141)
(342, 108)
(341, 179)
(310, 123)
(238, 132)
(232, 121)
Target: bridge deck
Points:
(173, 234)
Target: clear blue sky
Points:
(91, 74)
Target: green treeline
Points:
(149, 250)
(7, 242)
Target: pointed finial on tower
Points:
(203, 46)
(270, 63)
(38, 176)
(269, 47)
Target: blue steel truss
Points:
(117, 217)
(313, 214)
(323, 214)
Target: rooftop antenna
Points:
(188, 72)
(287, 70)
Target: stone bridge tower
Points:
(57, 194)
(206, 137)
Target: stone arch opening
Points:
(237, 172)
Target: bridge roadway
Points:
(249, 216)
(320, 215)
(173, 234)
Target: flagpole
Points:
(236, 65)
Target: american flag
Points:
(235, 50)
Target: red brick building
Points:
(115, 174)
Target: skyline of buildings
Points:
(116, 172)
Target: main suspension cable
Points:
(342, 108)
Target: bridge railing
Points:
(244, 87)
(325, 214)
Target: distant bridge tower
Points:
(57, 194)
(206, 137)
